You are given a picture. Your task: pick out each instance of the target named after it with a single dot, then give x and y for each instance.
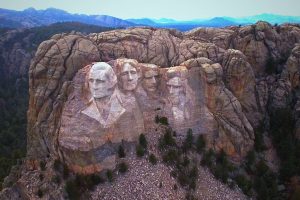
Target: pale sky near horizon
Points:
(180, 9)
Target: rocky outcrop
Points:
(98, 117)
(89, 94)
(15, 53)
(293, 67)
(54, 65)
(234, 133)
(281, 93)
(261, 43)
(157, 46)
(258, 43)
(240, 80)
(222, 37)
(58, 60)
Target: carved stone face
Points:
(176, 90)
(100, 83)
(129, 77)
(150, 81)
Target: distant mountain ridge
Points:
(31, 17)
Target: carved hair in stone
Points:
(101, 80)
(105, 104)
(128, 73)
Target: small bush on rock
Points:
(123, 167)
(73, 190)
(200, 144)
(40, 193)
(188, 143)
(143, 141)
(140, 151)
(244, 184)
(56, 165)
(43, 165)
(66, 171)
(152, 159)
(109, 175)
(121, 152)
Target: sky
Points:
(179, 9)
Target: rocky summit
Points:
(91, 94)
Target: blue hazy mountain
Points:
(188, 25)
(165, 21)
(271, 18)
(32, 18)
(143, 21)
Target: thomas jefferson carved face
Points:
(128, 77)
(102, 80)
(176, 90)
(150, 80)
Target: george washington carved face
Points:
(101, 80)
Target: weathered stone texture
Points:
(228, 110)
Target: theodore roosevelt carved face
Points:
(150, 78)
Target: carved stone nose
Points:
(171, 90)
(130, 76)
(153, 80)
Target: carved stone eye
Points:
(124, 73)
(133, 72)
(100, 81)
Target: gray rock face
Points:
(240, 80)
(57, 61)
(109, 104)
(157, 46)
(259, 42)
(223, 38)
(54, 65)
(234, 134)
(15, 54)
(293, 66)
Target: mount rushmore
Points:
(91, 93)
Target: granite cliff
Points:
(90, 94)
